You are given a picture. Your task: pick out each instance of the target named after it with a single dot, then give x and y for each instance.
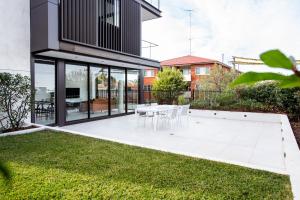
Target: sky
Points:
(242, 28)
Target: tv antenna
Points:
(190, 36)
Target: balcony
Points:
(150, 9)
(154, 3)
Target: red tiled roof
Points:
(186, 60)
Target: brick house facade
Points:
(149, 77)
(193, 69)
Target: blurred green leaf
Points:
(290, 82)
(275, 58)
(4, 171)
(251, 78)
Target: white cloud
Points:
(241, 28)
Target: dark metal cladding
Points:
(79, 21)
(110, 24)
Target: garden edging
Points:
(292, 155)
(27, 131)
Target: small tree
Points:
(218, 80)
(169, 85)
(15, 99)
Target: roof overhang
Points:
(94, 60)
(149, 11)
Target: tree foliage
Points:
(15, 100)
(168, 85)
(274, 59)
(218, 80)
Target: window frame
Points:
(200, 73)
(186, 69)
(149, 75)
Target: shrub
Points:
(201, 104)
(276, 98)
(250, 105)
(227, 98)
(267, 97)
(168, 86)
(182, 100)
(15, 99)
(266, 93)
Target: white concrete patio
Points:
(256, 144)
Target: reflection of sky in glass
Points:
(101, 74)
(45, 76)
(132, 78)
(116, 76)
(76, 73)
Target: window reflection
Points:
(132, 89)
(44, 93)
(117, 83)
(98, 92)
(76, 92)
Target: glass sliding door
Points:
(44, 93)
(117, 91)
(132, 89)
(76, 92)
(98, 91)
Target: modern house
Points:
(83, 56)
(193, 69)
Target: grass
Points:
(50, 165)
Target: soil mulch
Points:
(296, 130)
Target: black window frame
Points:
(48, 61)
(55, 61)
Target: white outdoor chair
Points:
(139, 106)
(180, 108)
(144, 115)
(184, 113)
(170, 117)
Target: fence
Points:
(162, 97)
(154, 96)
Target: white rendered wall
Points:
(15, 36)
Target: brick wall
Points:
(196, 78)
(150, 80)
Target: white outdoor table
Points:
(156, 110)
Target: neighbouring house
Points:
(150, 75)
(83, 56)
(193, 69)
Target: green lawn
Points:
(49, 165)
